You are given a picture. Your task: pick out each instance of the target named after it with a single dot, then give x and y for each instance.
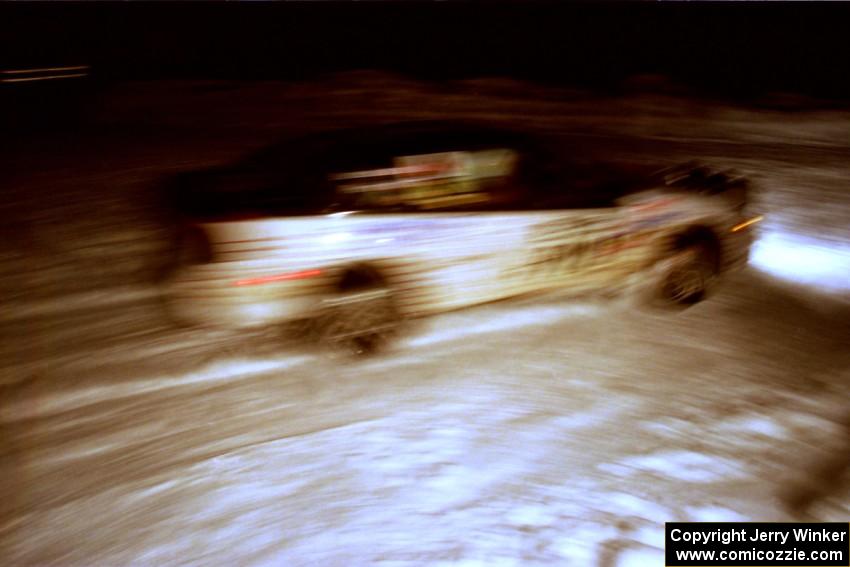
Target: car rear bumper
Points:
(222, 296)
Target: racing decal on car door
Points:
(570, 246)
(564, 246)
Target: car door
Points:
(580, 238)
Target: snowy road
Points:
(543, 432)
(547, 431)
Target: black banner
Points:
(767, 544)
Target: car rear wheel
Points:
(362, 317)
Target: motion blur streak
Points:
(228, 371)
(747, 223)
(805, 260)
(509, 321)
(279, 277)
(45, 78)
(25, 71)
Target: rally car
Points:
(354, 231)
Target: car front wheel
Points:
(688, 276)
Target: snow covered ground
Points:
(547, 431)
(569, 437)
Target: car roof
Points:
(397, 138)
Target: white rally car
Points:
(357, 230)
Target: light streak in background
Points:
(27, 71)
(803, 259)
(37, 74)
(45, 78)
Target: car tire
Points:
(685, 277)
(688, 276)
(361, 321)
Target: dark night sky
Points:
(729, 48)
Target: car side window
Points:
(441, 181)
(581, 185)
